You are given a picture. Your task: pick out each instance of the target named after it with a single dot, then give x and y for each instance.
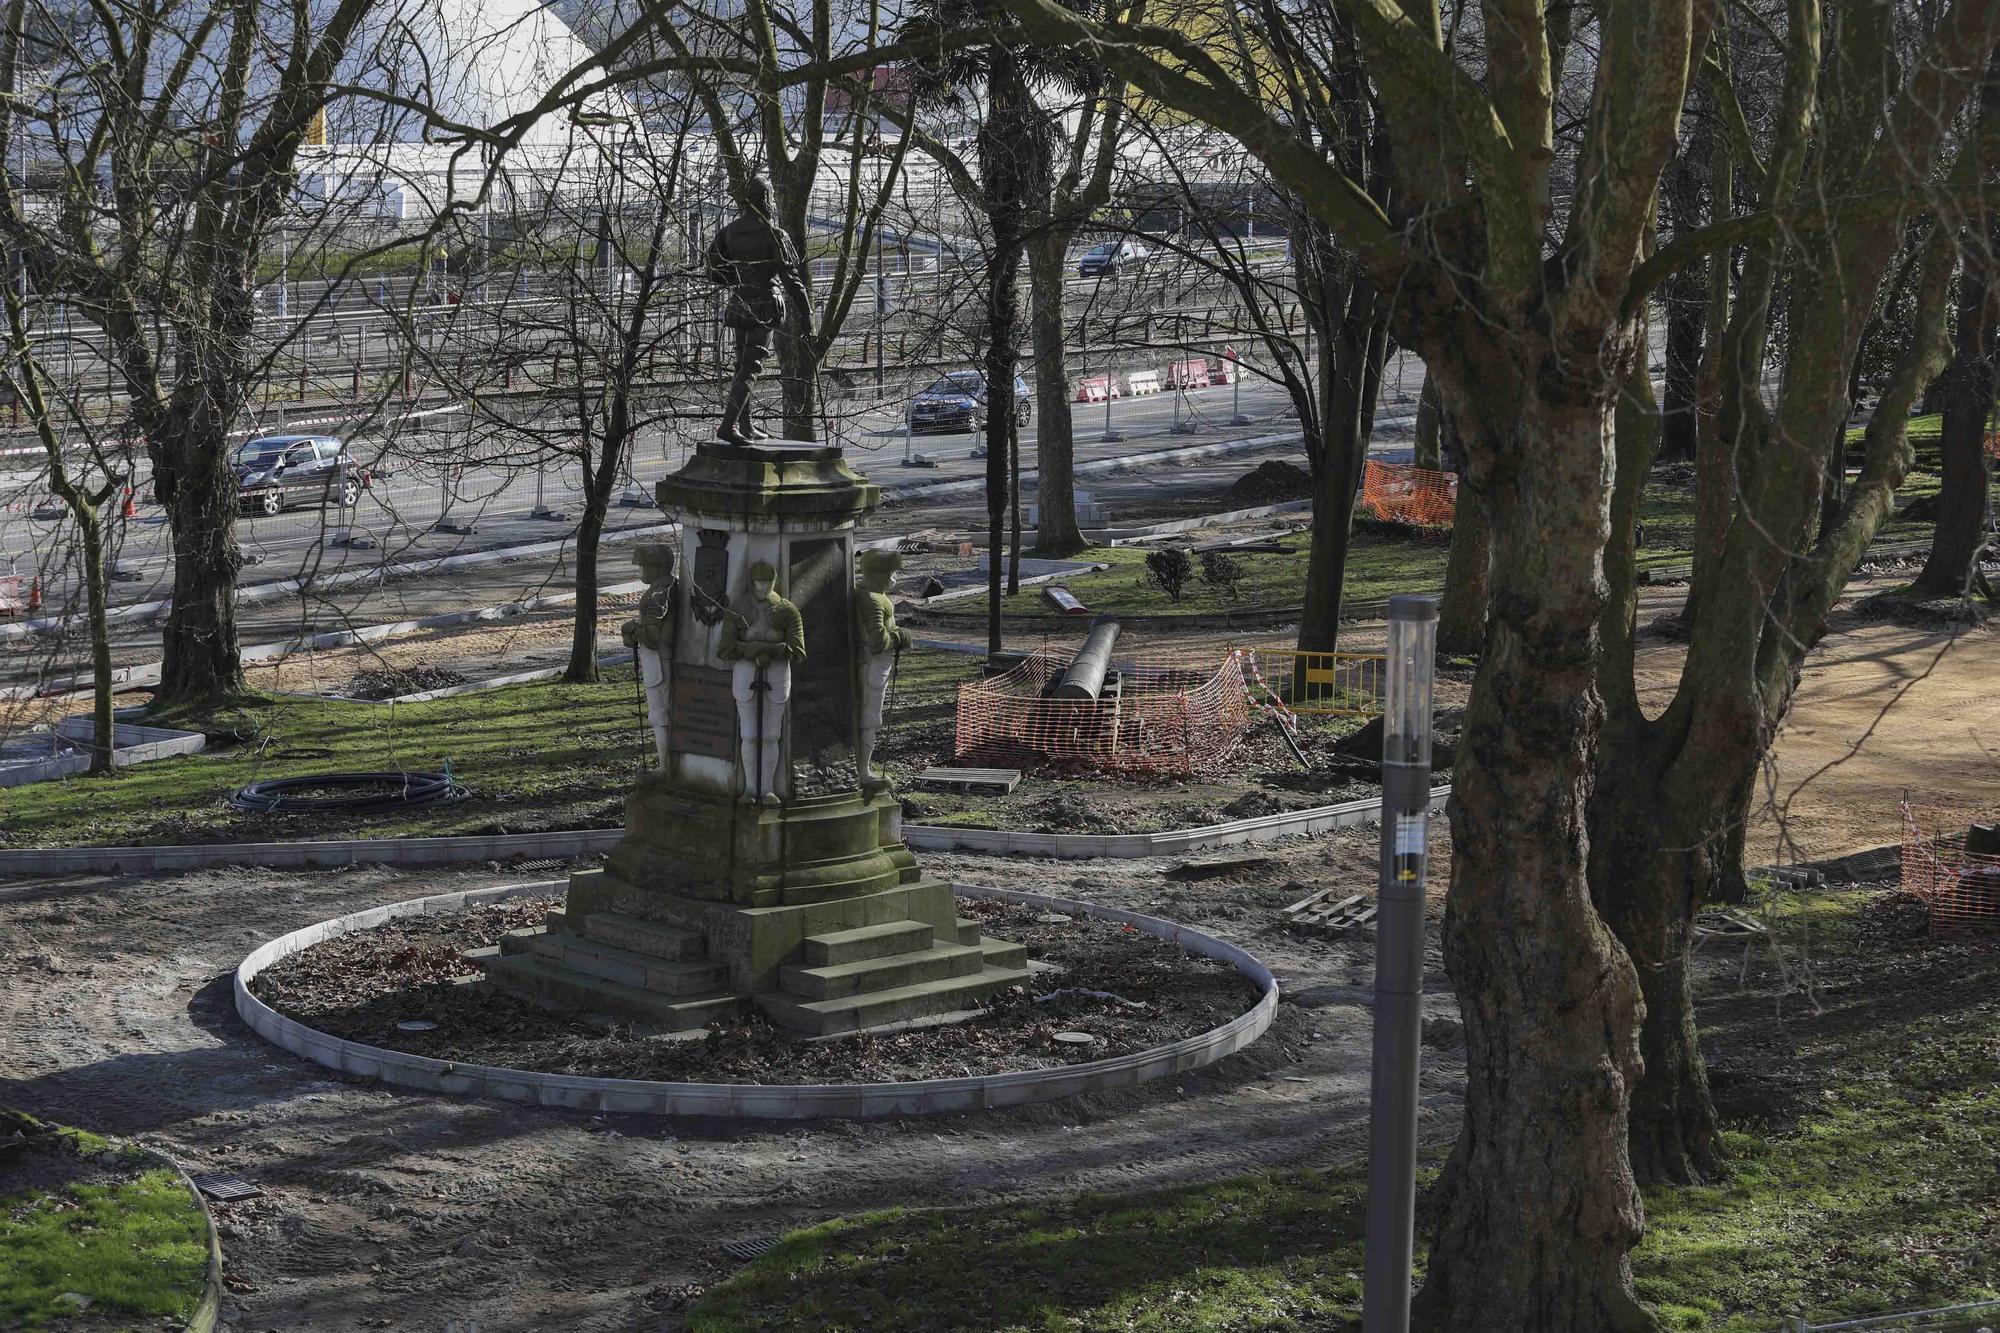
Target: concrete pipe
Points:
(1085, 677)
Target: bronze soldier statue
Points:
(756, 262)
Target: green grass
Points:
(136, 1247)
(1379, 564)
(1881, 1197)
(535, 756)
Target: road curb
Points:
(1100, 466)
(148, 673)
(261, 592)
(34, 862)
(757, 1101)
(208, 1310)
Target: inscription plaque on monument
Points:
(704, 712)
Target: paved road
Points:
(400, 513)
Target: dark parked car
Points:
(1110, 258)
(958, 402)
(275, 472)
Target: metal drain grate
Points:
(746, 1250)
(541, 863)
(225, 1188)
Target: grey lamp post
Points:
(1399, 964)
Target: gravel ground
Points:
(394, 1210)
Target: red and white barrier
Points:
(1143, 382)
(1189, 374)
(20, 594)
(1226, 371)
(1096, 389)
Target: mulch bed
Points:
(1128, 990)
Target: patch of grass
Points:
(1882, 1197)
(134, 1247)
(535, 756)
(1377, 564)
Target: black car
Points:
(958, 402)
(274, 472)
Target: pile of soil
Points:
(393, 682)
(1128, 990)
(1364, 747)
(1272, 482)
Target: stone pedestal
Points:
(807, 905)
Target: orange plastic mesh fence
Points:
(1397, 493)
(1961, 888)
(1163, 716)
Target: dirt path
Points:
(426, 1214)
(1880, 708)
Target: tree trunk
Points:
(1002, 305)
(589, 534)
(1057, 532)
(1686, 305)
(1967, 389)
(1656, 859)
(1429, 453)
(1467, 568)
(201, 664)
(1345, 411)
(1538, 1206)
(103, 735)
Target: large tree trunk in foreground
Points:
(201, 664)
(1655, 862)
(1538, 1205)
(1056, 529)
(1467, 566)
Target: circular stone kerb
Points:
(760, 1101)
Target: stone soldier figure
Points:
(762, 635)
(755, 261)
(879, 641)
(651, 635)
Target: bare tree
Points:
(174, 130)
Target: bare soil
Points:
(1882, 708)
(426, 1213)
(1126, 989)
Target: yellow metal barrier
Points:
(1348, 684)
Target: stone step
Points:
(855, 1013)
(851, 946)
(627, 967)
(1004, 953)
(535, 979)
(968, 930)
(653, 937)
(885, 973)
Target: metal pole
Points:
(1399, 965)
(1110, 436)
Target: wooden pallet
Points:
(1730, 924)
(993, 780)
(1324, 914)
(1727, 924)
